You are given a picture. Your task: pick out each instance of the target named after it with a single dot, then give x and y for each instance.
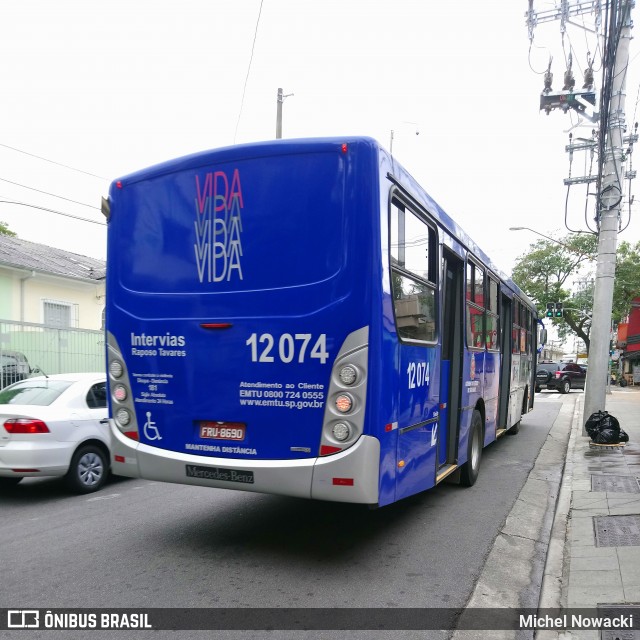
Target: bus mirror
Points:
(106, 208)
(543, 336)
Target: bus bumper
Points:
(348, 476)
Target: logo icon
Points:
(218, 227)
(150, 430)
(23, 619)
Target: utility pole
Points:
(281, 98)
(609, 200)
(611, 160)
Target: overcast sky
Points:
(109, 87)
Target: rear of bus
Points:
(239, 291)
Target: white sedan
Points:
(55, 426)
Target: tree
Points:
(547, 273)
(4, 229)
(627, 283)
(550, 272)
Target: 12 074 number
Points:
(287, 348)
(418, 373)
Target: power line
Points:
(17, 184)
(33, 155)
(246, 80)
(60, 213)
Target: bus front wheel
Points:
(471, 468)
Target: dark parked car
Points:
(561, 376)
(15, 367)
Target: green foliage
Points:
(4, 229)
(627, 282)
(549, 273)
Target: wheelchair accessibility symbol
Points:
(150, 430)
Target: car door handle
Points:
(104, 421)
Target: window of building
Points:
(59, 314)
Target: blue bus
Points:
(299, 317)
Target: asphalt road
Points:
(144, 544)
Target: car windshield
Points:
(547, 366)
(34, 392)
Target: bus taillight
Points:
(122, 406)
(343, 422)
(327, 450)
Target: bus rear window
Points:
(246, 226)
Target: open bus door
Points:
(505, 362)
(451, 368)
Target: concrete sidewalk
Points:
(546, 555)
(594, 551)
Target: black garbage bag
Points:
(607, 436)
(624, 437)
(604, 428)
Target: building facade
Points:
(51, 307)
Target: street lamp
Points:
(562, 244)
(280, 100)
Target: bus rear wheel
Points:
(471, 468)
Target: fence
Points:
(54, 350)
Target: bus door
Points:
(451, 367)
(505, 362)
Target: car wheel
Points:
(9, 483)
(88, 470)
(565, 386)
(471, 468)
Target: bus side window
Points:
(475, 306)
(524, 314)
(413, 281)
(492, 318)
(515, 329)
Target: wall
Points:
(88, 296)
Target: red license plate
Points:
(223, 430)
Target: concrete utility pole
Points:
(610, 197)
(611, 171)
(281, 98)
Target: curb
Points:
(551, 595)
(517, 564)
(553, 591)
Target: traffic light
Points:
(565, 100)
(558, 310)
(550, 309)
